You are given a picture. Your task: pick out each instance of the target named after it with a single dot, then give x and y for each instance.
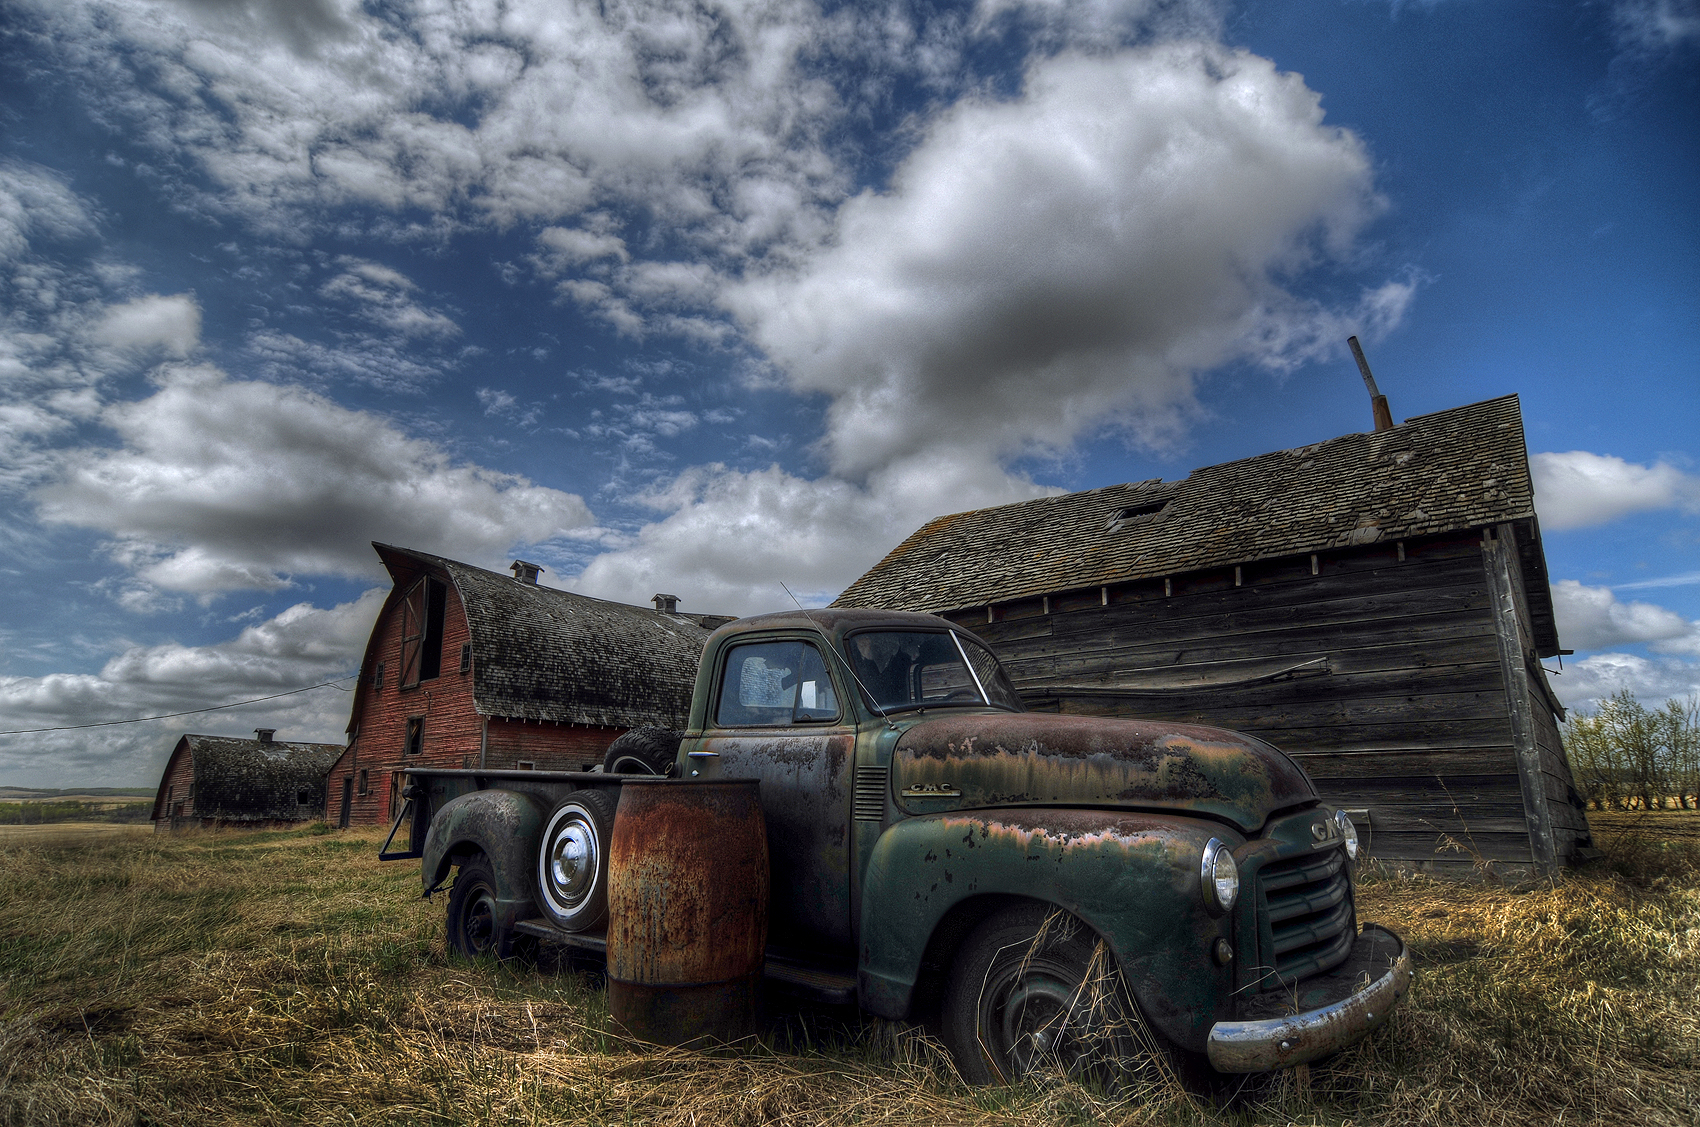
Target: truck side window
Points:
(770, 684)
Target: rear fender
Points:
(1132, 877)
(503, 825)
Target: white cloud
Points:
(1585, 683)
(382, 364)
(171, 325)
(304, 645)
(1093, 22)
(569, 247)
(730, 537)
(1684, 579)
(1066, 261)
(222, 485)
(1656, 26)
(526, 111)
(381, 295)
(35, 201)
(1578, 489)
(1591, 618)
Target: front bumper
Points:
(1340, 1010)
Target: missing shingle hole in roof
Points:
(1121, 517)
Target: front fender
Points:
(1132, 877)
(505, 826)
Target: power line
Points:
(169, 715)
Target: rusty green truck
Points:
(1043, 889)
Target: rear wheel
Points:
(474, 931)
(572, 864)
(1033, 989)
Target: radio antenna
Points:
(848, 668)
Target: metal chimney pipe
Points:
(1377, 401)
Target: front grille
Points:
(1305, 916)
(869, 804)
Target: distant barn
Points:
(259, 783)
(468, 668)
(1375, 605)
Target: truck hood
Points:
(964, 761)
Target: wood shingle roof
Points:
(539, 653)
(250, 780)
(1461, 468)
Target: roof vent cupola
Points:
(264, 735)
(665, 604)
(525, 572)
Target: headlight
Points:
(1349, 832)
(1220, 876)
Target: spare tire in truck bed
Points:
(643, 751)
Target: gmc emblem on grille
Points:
(1324, 833)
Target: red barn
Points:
(468, 668)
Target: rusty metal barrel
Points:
(687, 909)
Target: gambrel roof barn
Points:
(1376, 605)
(468, 668)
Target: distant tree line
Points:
(66, 810)
(1626, 756)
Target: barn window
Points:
(466, 657)
(364, 787)
(525, 765)
(415, 735)
(303, 797)
(378, 676)
(422, 632)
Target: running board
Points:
(818, 984)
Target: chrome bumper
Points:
(1295, 1038)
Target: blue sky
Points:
(703, 297)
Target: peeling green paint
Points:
(1131, 877)
(999, 759)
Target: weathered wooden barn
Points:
(469, 668)
(1375, 605)
(259, 783)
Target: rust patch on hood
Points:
(1046, 759)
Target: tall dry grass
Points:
(290, 978)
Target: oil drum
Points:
(687, 909)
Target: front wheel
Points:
(1034, 989)
(474, 931)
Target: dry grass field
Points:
(260, 978)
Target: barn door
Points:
(422, 633)
(412, 634)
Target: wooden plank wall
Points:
(1566, 808)
(1411, 721)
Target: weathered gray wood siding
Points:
(1548, 781)
(1410, 721)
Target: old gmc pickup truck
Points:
(1042, 888)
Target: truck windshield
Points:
(904, 669)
